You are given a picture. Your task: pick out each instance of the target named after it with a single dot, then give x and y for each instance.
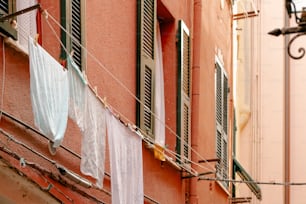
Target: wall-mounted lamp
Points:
(299, 30)
(74, 177)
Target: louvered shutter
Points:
(146, 32)
(76, 31)
(184, 92)
(6, 7)
(221, 123)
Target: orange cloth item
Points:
(159, 152)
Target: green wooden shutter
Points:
(184, 94)
(63, 17)
(76, 31)
(221, 123)
(6, 7)
(146, 32)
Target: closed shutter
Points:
(146, 33)
(221, 123)
(6, 7)
(76, 31)
(184, 91)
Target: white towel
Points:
(125, 162)
(49, 93)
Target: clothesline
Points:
(11, 138)
(120, 83)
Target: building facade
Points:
(162, 68)
(269, 102)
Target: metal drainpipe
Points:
(38, 23)
(193, 196)
(287, 117)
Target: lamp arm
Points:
(301, 50)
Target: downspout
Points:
(197, 13)
(38, 24)
(287, 117)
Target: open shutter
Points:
(6, 7)
(221, 123)
(219, 118)
(76, 31)
(184, 92)
(146, 32)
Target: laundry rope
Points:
(47, 15)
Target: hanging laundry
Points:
(125, 162)
(77, 88)
(159, 100)
(89, 114)
(93, 141)
(49, 93)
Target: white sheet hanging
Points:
(126, 163)
(49, 93)
(89, 114)
(93, 142)
(159, 93)
(77, 88)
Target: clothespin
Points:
(85, 77)
(104, 102)
(45, 13)
(36, 39)
(95, 89)
(71, 53)
(14, 24)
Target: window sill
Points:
(169, 160)
(14, 44)
(223, 188)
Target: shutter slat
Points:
(186, 131)
(225, 106)
(4, 6)
(149, 27)
(148, 98)
(76, 27)
(221, 123)
(219, 95)
(186, 64)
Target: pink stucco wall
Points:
(110, 28)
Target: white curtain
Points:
(49, 93)
(26, 22)
(159, 93)
(125, 162)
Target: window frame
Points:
(183, 99)
(5, 27)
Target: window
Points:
(26, 22)
(146, 32)
(184, 93)
(72, 21)
(221, 94)
(6, 7)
